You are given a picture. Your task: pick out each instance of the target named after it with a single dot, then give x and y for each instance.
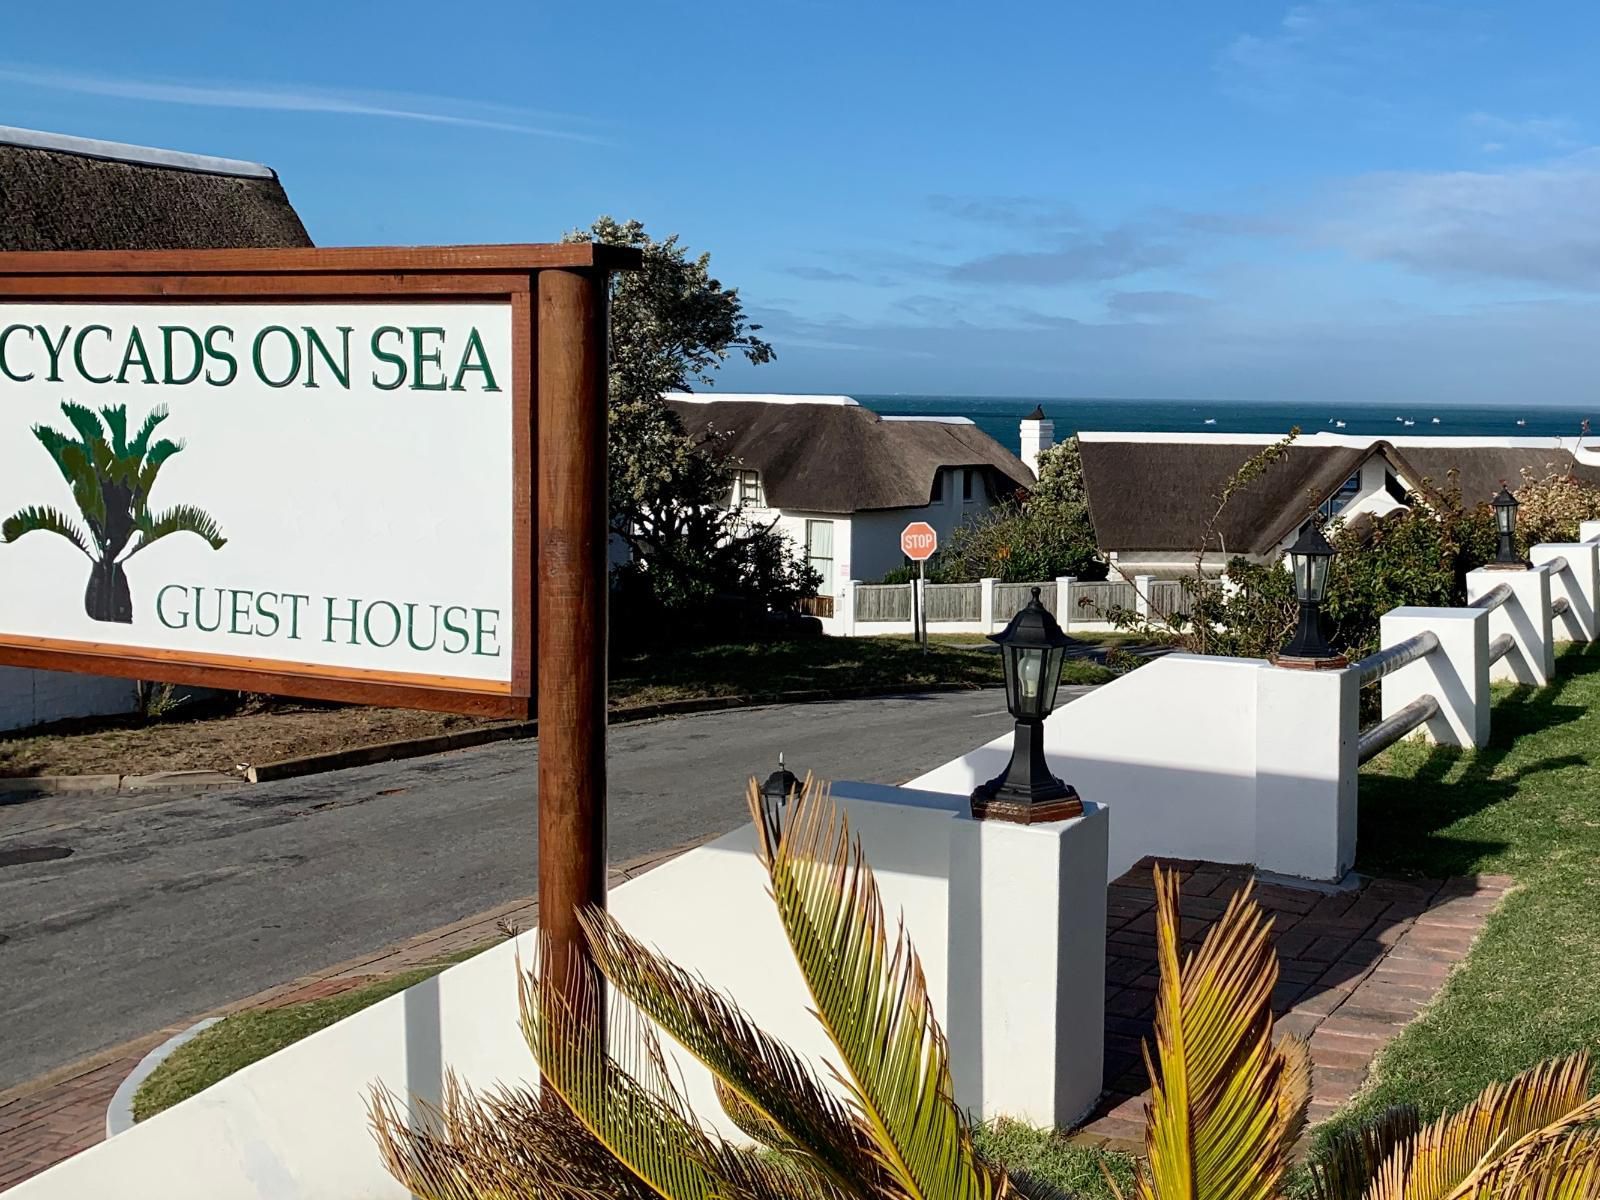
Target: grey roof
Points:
(1159, 495)
(842, 458)
(65, 193)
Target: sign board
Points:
(307, 472)
(918, 541)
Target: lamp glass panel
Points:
(1301, 585)
(1317, 572)
(1030, 680)
(1503, 515)
(1008, 660)
(1052, 679)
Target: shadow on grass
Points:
(1413, 796)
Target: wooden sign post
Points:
(366, 475)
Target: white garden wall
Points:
(1021, 1000)
(29, 697)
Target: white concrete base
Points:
(1456, 674)
(1526, 617)
(1223, 759)
(119, 1113)
(1009, 923)
(1578, 583)
(29, 697)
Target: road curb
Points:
(119, 1113)
(439, 743)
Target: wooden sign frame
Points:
(463, 273)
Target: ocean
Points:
(998, 416)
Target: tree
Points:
(672, 325)
(111, 483)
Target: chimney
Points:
(1038, 434)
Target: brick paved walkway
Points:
(57, 1115)
(1355, 967)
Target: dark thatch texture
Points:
(1159, 495)
(58, 200)
(835, 458)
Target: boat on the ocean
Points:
(1521, 421)
(1436, 420)
(1211, 420)
(1338, 424)
(1409, 422)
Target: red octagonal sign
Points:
(919, 541)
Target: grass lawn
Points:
(222, 738)
(1527, 805)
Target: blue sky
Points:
(1329, 200)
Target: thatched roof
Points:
(834, 456)
(1158, 494)
(66, 193)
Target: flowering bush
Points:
(1551, 507)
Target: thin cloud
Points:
(432, 110)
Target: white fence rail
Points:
(868, 609)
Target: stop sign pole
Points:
(918, 541)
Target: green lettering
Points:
(170, 351)
(489, 631)
(394, 360)
(213, 351)
(315, 345)
(294, 614)
(199, 621)
(235, 612)
(135, 342)
(4, 334)
(294, 357)
(333, 620)
(466, 638)
(411, 628)
(54, 350)
(421, 356)
(77, 352)
(161, 603)
(475, 343)
(366, 624)
(267, 614)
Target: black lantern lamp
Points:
(1031, 648)
(780, 786)
(1505, 524)
(1310, 556)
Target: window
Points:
(1395, 488)
(819, 550)
(749, 493)
(938, 488)
(966, 483)
(1348, 491)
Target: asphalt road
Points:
(170, 905)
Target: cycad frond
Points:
(183, 518)
(86, 489)
(1349, 1162)
(39, 519)
(85, 422)
(141, 440)
(54, 442)
(873, 1005)
(1565, 1167)
(158, 454)
(504, 1144)
(1223, 1097)
(630, 1106)
(773, 1090)
(116, 420)
(1506, 1123)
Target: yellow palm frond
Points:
(1348, 1163)
(765, 1087)
(1448, 1155)
(1565, 1167)
(1224, 1101)
(872, 1000)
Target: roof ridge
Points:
(150, 156)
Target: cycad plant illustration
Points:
(111, 478)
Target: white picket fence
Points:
(868, 609)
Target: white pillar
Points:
(986, 604)
(1307, 724)
(1588, 531)
(845, 609)
(1027, 964)
(1141, 592)
(1525, 616)
(1064, 611)
(1578, 583)
(1037, 433)
(1456, 674)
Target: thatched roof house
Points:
(828, 454)
(1153, 495)
(69, 193)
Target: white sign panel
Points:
(321, 488)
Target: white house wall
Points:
(29, 697)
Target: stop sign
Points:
(918, 541)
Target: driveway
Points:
(172, 904)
